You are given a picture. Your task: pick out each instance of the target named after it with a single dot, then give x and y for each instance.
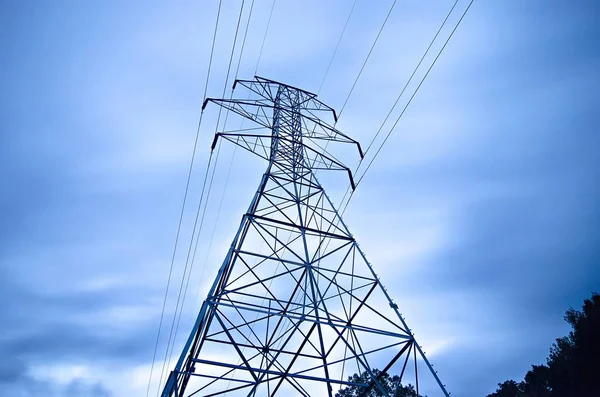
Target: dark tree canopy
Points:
(391, 384)
(573, 366)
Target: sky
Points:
(480, 214)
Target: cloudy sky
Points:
(480, 213)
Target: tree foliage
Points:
(573, 366)
(391, 384)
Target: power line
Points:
(363, 65)
(411, 76)
(169, 344)
(408, 103)
(230, 165)
(348, 190)
(229, 171)
(336, 47)
(234, 152)
(368, 56)
(264, 37)
(244, 40)
(172, 335)
(212, 177)
(187, 185)
(417, 90)
(210, 243)
(402, 92)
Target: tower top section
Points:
(291, 128)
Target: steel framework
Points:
(304, 311)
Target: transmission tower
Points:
(295, 308)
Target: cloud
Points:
(480, 213)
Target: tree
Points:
(391, 384)
(572, 366)
(574, 359)
(537, 382)
(509, 388)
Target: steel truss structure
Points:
(304, 311)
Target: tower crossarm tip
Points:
(289, 115)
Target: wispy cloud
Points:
(480, 214)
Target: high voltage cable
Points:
(343, 210)
(171, 340)
(231, 162)
(214, 167)
(402, 92)
(188, 259)
(331, 60)
(187, 185)
(228, 172)
(182, 280)
(353, 86)
(411, 76)
(210, 243)
(336, 47)
(417, 89)
(232, 158)
(264, 37)
(408, 103)
(367, 58)
(363, 65)
(401, 114)
(237, 69)
(429, 47)
(212, 177)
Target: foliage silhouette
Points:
(391, 384)
(573, 367)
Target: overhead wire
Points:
(230, 162)
(336, 47)
(353, 86)
(417, 67)
(187, 185)
(237, 70)
(181, 298)
(230, 166)
(183, 278)
(324, 78)
(363, 64)
(264, 37)
(411, 76)
(401, 94)
(336, 221)
(329, 65)
(409, 101)
(226, 184)
(413, 95)
(367, 58)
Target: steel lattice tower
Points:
(300, 317)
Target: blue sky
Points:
(480, 214)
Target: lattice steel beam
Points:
(301, 317)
